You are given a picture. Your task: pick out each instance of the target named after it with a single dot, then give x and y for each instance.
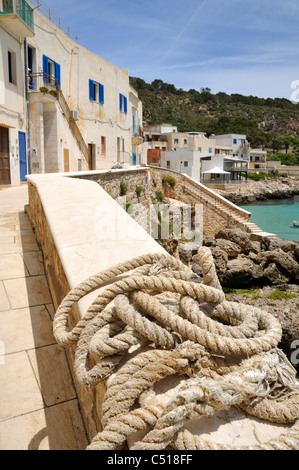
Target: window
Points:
(103, 145)
(186, 164)
(235, 141)
(96, 91)
(168, 164)
(199, 149)
(51, 71)
(210, 150)
(185, 142)
(123, 104)
(12, 68)
(176, 141)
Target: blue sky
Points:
(236, 46)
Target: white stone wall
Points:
(96, 121)
(12, 99)
(78, 66)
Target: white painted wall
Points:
(12, 99)
(96, 120)
(177, 159)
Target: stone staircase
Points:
(223, 207)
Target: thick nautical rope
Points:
(182, 326)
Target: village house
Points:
(62, 107)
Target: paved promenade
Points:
(39, 407)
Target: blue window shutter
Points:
(57, 74)
(91, 90)
(101, 93)
(46, 68)
(126, 105)
(120, 102)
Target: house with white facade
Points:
(235, 145)
(62, 107)
(258, 159)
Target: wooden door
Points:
(4, 156)
(66, 154)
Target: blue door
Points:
(22, 156)
(134, 125)
(134, 159)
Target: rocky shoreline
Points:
(242, 262)
(283, 304)
(263, 274)
(270, 188)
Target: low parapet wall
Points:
(81, 231)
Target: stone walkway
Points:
(39, 406)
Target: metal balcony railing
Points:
(21, 8)
(50, 15)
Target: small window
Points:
(96, 91)
(199, 149)
(176, 141)
(210, 150)
(185, 164)
(168, 164)
(103, 145)
(235, 141)
(123, 104)
(185, 141)
(12, 68)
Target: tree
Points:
(287, 141)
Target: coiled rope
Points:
(225, 352)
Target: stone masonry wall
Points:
(214, 219)
(59, 288)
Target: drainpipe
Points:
(27, 104)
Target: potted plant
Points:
(44, 90)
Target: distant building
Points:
(235, 145)
(183, 160)
(258, 159)
(195, 141)
(62, 107)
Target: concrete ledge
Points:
(91, 232)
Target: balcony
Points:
(137, 137)
(17, 17)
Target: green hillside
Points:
(268, 123)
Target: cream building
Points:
(72, 111)
(193, 141)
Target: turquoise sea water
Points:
(276, 216)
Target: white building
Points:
(73, 110)
(183, 160)
(258, 159)
(235, 145)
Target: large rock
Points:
(284, 262)
(231, 248)
(283, 303)
(241, 272)
(221, 261)
(239, 238)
